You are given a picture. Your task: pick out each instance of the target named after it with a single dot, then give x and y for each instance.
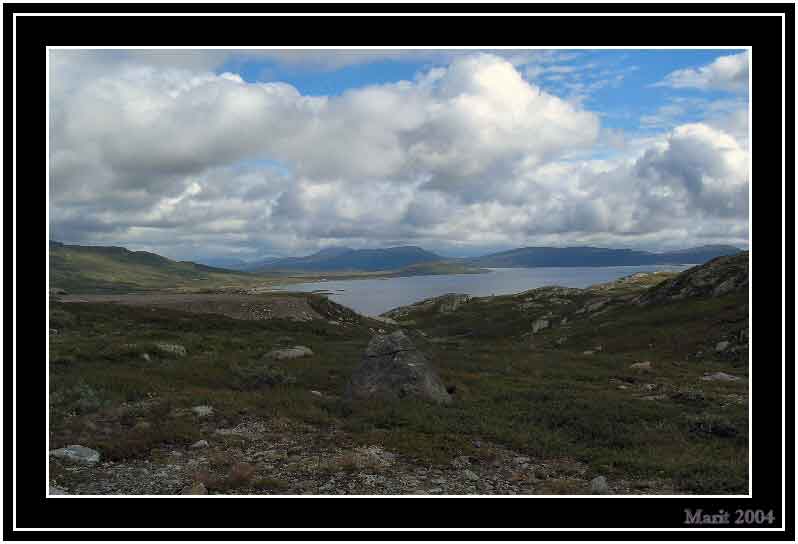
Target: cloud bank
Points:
(466, 157)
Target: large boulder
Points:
(392, 368)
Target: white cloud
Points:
(727, 73)
(471, 155)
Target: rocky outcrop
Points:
(392, 369)
(718, 277)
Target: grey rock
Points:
(57, 491)
(645, 365)
(470, 475)
(170, 349)
(540, 324)
(199, 444)
(598, 486)
(722, 346)
(295, 352)
(719, 377)
(53, 332)
(202, 411)
(77, 454)
(451, 302)
(392, 368)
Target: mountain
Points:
(113, 269)
(346, 259)
(529, 257)
(229, 263)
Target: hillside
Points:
(116, 269)
(550, 389)
(596, 256)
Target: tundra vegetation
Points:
(638, 386)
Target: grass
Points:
(540, 398)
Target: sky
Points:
(201, 154)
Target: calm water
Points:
(375, 296)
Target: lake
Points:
(375, 296)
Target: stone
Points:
(470, 475)
(199, 444)
(170, 349)
(598, 486)
(316, 393)
(645, 365)
(722, 346)
(451, 301)
(77, 454)
(588, 352)
(145, 357)
(56, 491)
(392, 368)
(202, 411)
(197, 488)
(53, 332)
(295, 352)
(540, 324)
(719, 377)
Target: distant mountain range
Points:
(113, 269)
(344, 259)
(530, 257)
(395, 258)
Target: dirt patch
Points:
(249, 307)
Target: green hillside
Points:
(91, 269)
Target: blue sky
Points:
(625, 79)
(257, 153)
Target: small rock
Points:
(77, 454)
(588, 352)
(198, 488)
(719, 377)
(295, 352)
(470, 475)
(53, 332)
(598, 486)
(316, 393)
(199, 444)
(202, 411)
(598, 348)
(539, 325)
(722, 346)
(171, 349)
(145, 357)
(645, 365)
(56, 491)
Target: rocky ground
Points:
(273, 457)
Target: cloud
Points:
(727, 73)
(471, 155)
